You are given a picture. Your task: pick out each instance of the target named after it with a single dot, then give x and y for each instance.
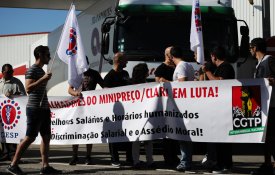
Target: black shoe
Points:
(74, 160)
(222, 171)
(49, 170)
(265, 169)
(15, 170)
(88, 160)
(115, 164)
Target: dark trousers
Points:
(170, 151)
(269, 144)
(115, 147)
(224, 155)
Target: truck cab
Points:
(143, 29)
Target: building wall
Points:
(16, 49)
(272, 17)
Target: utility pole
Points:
(266, 18)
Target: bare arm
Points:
(74, 92)
(161, 79)
(209, 74)
(32, 84)
(182, 79)
(212, 76)
(157, 79)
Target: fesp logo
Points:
(10, 114)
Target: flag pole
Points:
(52, 62)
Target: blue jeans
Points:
(186, 153)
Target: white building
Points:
(17, 50)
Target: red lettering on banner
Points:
(179, 93)
(203, 92)
(163, 91)
(156, 92)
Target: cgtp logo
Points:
(72, 48)
(246, 110)
(9, 114)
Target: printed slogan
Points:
(209, 111)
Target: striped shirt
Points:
(35, 97)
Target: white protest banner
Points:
(208, 111)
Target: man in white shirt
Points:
(184, 72)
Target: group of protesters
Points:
(174, 68)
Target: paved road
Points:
(60, 156)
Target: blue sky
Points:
(18, 20)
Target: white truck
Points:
(142, 29)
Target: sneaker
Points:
(222, 171)
(115, 164)
(182, 168)
(15, 170)
(49, 170)
(74, 160)
(88, 160)
(208, 164)
(204, 159)
(266, 169)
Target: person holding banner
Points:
(223, 71)
(9, 86)
(115, 78)
(164, 73)
(139, 75)
(184, 72)
(210, 66)
(90, 79)
(38, 113)
(266, 69)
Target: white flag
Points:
(71, 51)
(196, 39)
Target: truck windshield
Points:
(145, 37)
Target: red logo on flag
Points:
(198, 17)
(72, 49)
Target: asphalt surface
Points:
(61, 155)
